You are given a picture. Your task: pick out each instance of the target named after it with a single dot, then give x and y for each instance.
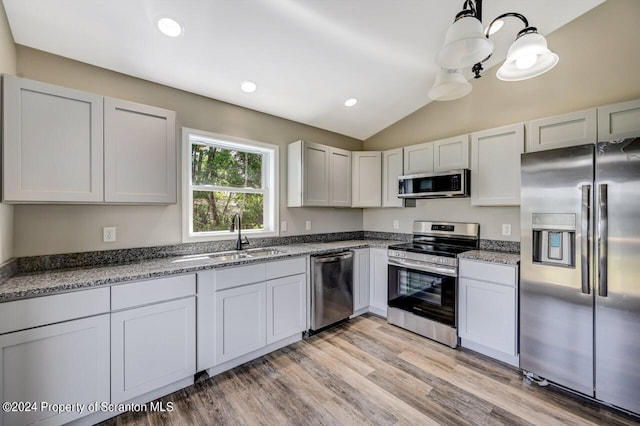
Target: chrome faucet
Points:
(239, 243)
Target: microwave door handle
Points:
(603, 235)
(585, 237)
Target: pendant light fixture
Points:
(450, 85)
(466, 45)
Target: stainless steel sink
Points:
(263, 252)
(227, 256)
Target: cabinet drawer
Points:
(39, 311)
(240, 275)
(284, 268)
(152, 291)
(490, 272)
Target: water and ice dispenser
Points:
(554, 238)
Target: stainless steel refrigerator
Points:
(580, 269)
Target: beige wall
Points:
(51, 229)
(8, 66)
(599, 62)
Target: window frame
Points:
(270, 184)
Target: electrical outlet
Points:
(506, 229)
(396, 224)
(283, 226)
(109, 234)
(308, 225)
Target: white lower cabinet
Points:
(361, 281)
(487, 315)
(64, 363)
(378, 277)
(286, 307)
(246, 311)
(240, 321)
(151, 347)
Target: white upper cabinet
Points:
(619, 121)
(318, 175)
(575, 128)
(339, 177)
(54, 151)
(495, 166)
(53, 143)
(451, 154)
(139, 153)
(418, 158)
(437, 156)
(391, 169)
(366, 179)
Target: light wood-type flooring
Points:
(367, 372)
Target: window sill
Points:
(228, 236)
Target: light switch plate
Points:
(283, 226)
(396, 224)
(308, 225)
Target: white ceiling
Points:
(307, 56)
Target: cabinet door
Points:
(286, 307)
(418, 158)
(488, 314)
(366, 179)
(391, 169)
(53, 143)
(151, 347)
(361, 279)
(315, 174)
(619, 121)
(495, 166)
(378, 291)
(65, 363)
(139, 153)
(339, 177)
(451, 154)
(240, 321)
(576, 128)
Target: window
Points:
(225, 176)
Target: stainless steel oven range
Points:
(423, 278)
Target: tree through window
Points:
(228, 177)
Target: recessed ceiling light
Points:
(248, 86)
(350, 102)
(169, 27)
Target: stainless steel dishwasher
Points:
(331, 289)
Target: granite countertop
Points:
(58, 281)
(491, 256)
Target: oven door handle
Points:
(441, 270)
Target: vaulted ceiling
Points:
(306, 56)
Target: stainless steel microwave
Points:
(454, 183)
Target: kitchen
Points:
(589, 74)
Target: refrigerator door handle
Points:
(603, 235)
(585, 237)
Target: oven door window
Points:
(423, 293)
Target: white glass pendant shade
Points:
(464, 45)
(449, 85)
(528, 57)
